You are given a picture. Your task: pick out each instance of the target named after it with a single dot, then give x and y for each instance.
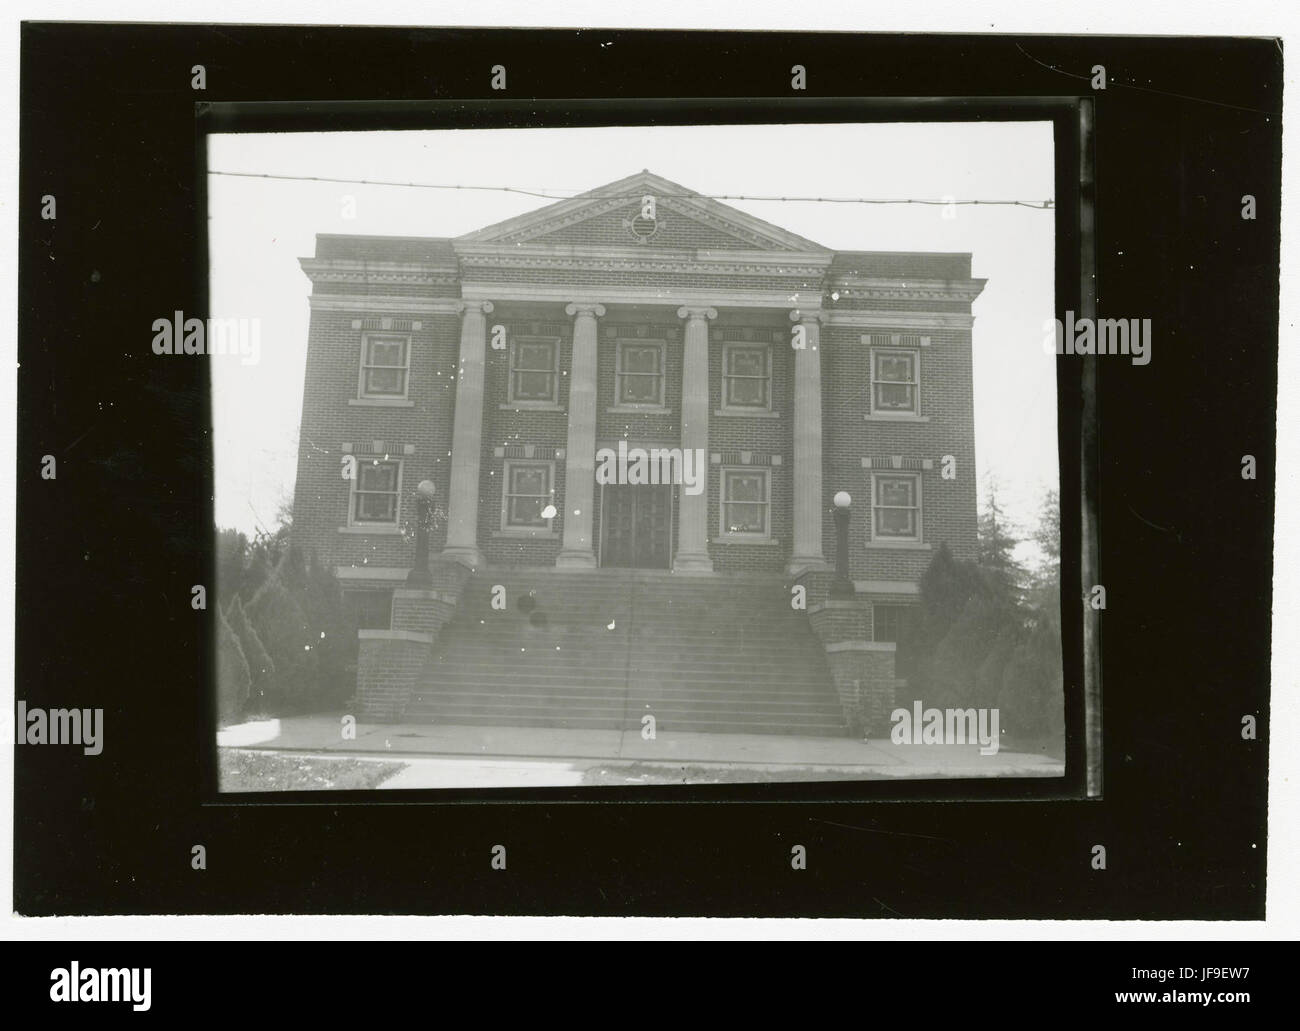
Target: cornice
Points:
(378, 303)
(867, 319)
(348, 270)
(907, 289)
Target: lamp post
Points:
(419, 575)
(842, 587)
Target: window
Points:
(896, 507)
(639, 372)
(368, 609)
(534, 369)
(385, 365)
(375, 492)
(895, 383)
(891, 622)
(746, 502)
(746, 376)
(527, 494)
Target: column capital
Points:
(695, 312)
(479, 306)
(807, 315)
(596, 311)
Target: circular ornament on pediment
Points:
(642, 230)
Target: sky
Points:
(259, 228)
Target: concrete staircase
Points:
(598, 650)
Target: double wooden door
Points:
(636, 526)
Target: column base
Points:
(578, 558)
(692, 564)
(807, 564)
(466, 556)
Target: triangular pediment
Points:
(611, 216)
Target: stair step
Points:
(714, 655)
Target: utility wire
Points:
(551, 195)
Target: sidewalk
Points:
(580, 749)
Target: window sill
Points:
(379, 530)
(900, 545)
(525, 535)
(380, 402)
(531, 406)
(738, 539)
(639, 410)
(881, 417)
(744, 413)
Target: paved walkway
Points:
(518, 751)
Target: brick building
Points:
(497, 365)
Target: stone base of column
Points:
(807, 563)
(578, 558)
(471, 557)
(692, 564)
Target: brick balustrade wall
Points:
(862, 669)
(391, 663)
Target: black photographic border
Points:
(105, 562)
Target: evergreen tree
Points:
(1045, 582)
(283, 629)
(232, 674)
(261, 669)
(997, 545)
(333, 638)
(232, 557)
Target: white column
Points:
(467, 437)
(808, 502)
(580, 453)
(693, 509)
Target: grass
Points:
(243, 770)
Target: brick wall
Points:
(329, 422)
(321, 494)
(390, 665)
(862, 671)
(948, 511)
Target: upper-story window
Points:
(385, 365)
(639, 373)
(534, 370)
(896, 374)
(747, 376)
(896, 507)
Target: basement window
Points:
(368, 609)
